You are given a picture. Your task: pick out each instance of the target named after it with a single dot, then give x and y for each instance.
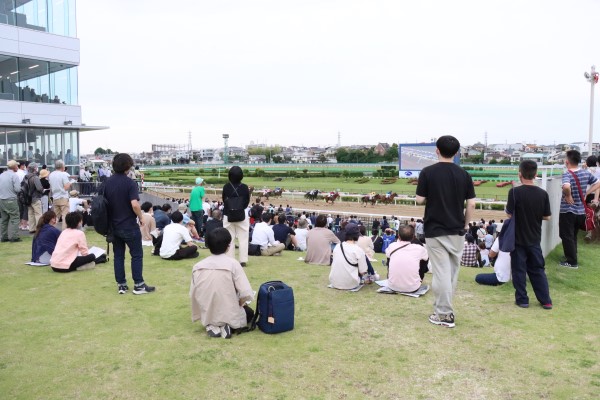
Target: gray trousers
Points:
(445, 253)
(9, 214)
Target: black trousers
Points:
(568, 228)
(185, 252)
(78, 262)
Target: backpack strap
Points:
(342, 248)
(578, 186)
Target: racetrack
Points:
(345, 207)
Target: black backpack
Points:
(377, 243)
(236, 207)
(24, 194)
(100, 218)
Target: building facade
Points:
(40, 117)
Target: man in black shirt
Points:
(529, 205)
(124, 209)
(284, 234)
(444, 187)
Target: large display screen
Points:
(413, 157)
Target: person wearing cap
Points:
(75, 203)
(60, 184)
(349, 261)
(10, 184)
(34, 210)
(196, 200)
(44, 173)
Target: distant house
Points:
(381, 148)
(257, 159)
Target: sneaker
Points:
(87, 266)
(443, 320)
(588, 237)
(143, 289)
(213, 331)
(243, 265)
(226, 332)
(568, 265)
(522, 305)
(547, 306)
(123, 289)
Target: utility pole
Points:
(592, 78)
(226, 148)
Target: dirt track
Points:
(348, 207)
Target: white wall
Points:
(550, 238)
(14, 112)
(22, 42)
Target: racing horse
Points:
(370, 199)
(273, 193)
(388, 198)
(331, 197)
(311, 195)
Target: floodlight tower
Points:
(226, 148)
(592, 78)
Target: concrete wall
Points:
(550, 237)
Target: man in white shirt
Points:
(501, 272)
(264, 237)
(172, 236)
(59, 186)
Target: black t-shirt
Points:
(120, 191)
(281, 232)
(532, 204)
(446, 187)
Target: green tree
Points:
(322, 158)
(391, 154)
(505, 161)
(493, 161)
(99, 151)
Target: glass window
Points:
(9, 78)
(63, 83)
(32, 14)
(61, 17)
(7, 15)
(71, 150)
(33, 80)
(53, 147)
(16, 141)
(3, 157)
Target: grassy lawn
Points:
(71, 336)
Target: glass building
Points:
(40, 117)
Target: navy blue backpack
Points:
(274, 308)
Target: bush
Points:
(216, 181)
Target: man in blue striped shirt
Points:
(572, 211)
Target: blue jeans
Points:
(529, 260)
(133, 240)
(488, 279)
(197, 217)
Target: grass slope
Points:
(71, 336)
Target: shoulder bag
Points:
(589, 224)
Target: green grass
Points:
(70, 336)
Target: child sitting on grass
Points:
(220, 289)
(484, 255)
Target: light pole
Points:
(592, 78)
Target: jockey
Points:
(372, 195)
(388, 194)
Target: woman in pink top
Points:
(71, 243)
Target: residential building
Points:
(40, 118)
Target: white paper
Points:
(96, 251)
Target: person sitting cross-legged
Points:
(501, 272)
(45, 238)
(284, 234)
(469, 255)
(70, 243)
(173, 236)
(405, 270)
(349, 261)
(220, 290)
(264, 237)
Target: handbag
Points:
(589, 224)
(254, 250)
(506, 237)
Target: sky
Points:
(300, 72)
